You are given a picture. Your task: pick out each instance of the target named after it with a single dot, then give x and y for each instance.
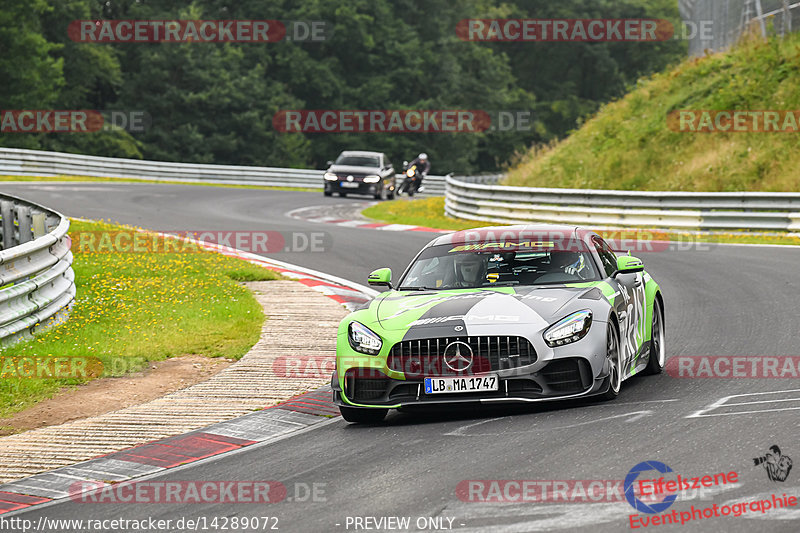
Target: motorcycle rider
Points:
(422, 163)
(423, 167)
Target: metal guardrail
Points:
(17, 162)
(716, 25)
(476, 197)
(37, 283)
(467, 199)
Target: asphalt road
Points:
(720, 300)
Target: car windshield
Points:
(358, 160)
(461, 267)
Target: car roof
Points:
(359, 152)
(495, 233)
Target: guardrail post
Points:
(7, 219)
(24, 224)
(38, 225)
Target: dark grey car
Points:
(356, 172)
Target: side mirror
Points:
(381, 277)
(627, 264)
(329, 163)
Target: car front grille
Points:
(489, 353)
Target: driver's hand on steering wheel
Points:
(575, 268)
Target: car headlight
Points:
(364, 340)
(372, 179)
(330, 176)
(569, 329)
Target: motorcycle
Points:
(412, 182)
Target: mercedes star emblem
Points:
(458, 356)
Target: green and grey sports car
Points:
(501, 314)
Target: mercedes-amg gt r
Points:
(502, 314)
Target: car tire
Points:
(615, 360)
(343, 194)
(381, 195)
(327, 193)
(358, 415)
(658, 351)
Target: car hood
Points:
(474, 311)
(347, 169)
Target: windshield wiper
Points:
(415, 289)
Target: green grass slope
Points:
(132, 308)
(628, 144)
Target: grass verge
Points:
(429, 212)
(132, 308)
(631, 145)
(426, 212)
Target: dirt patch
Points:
(111, 394)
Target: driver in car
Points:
(470, 270)
(571, 263)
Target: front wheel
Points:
(327, 193)
(614, 362)
(658, 351)
(362, 416)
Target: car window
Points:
(607, 256)
(459, 267)
(358, 160)
(386, 162)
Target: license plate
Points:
(450, 385)
(350, 184)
